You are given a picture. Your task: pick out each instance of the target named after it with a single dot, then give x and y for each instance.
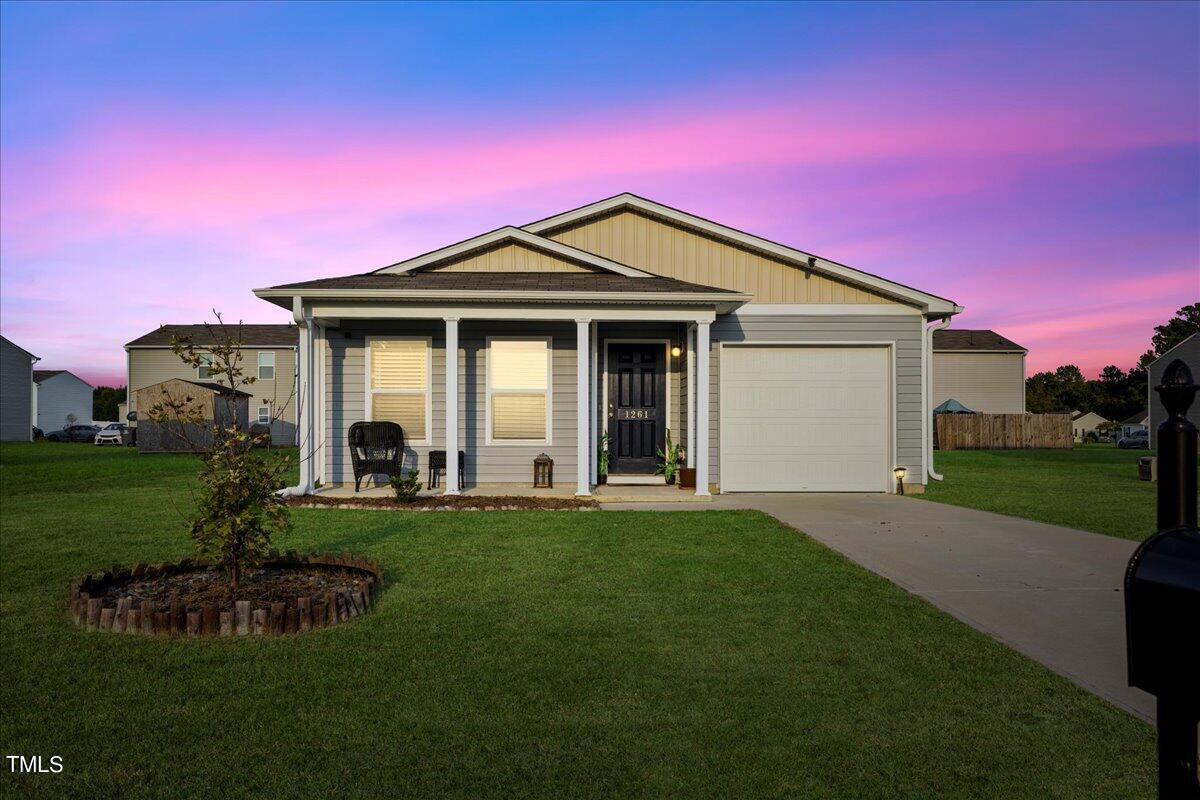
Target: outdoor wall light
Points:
(900, 472)
(676, 351)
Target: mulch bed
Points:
(448, 503)
(289, 593)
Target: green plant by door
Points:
(669, 460)
(603, 453)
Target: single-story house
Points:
(61, 398)
(268, 355)
(1138, 422)
(212, 403)
(17, 414)
(981, 369)
(1085, 422)
(776, 369)
(1187, 351)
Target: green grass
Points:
(1090, 487)
(524, 654)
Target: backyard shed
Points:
(217, 404)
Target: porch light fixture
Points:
(676, 351)
(900, 472)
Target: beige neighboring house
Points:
(1085, 422)
(778, 370)
(980, 369)
(268, 353)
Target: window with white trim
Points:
(266, 365)
(398, 384)
(264, 415)
(204, 369)
(518, 391)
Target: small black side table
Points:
(437, 464)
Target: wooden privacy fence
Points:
(1003, 431)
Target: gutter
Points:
(927, 388)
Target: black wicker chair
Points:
(437, 463)
(376, 448)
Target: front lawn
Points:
(1090, 487)
(524, 654)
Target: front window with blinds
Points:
(398, 385)
(518, 391)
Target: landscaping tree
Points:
(106, 402)
(1185, 322)
(237, 508)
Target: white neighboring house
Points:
(57, 395)
(1085, 422)
(1138, 422)
(1187, 351)
(980, 369)
(17, 390)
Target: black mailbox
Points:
(1162, 596)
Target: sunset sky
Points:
(1039, 164)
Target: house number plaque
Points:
(633, 413)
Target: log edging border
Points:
(300, 615)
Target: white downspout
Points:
(306, 407)
(927, 391)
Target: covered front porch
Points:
(501, 384)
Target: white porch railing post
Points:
(452, 486)
(702, 422)
(594, 404)
(583, 351)
(690, 346)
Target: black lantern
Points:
(543, 472)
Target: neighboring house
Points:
(268, 355)
(1187, 351)
(17, 416)
(980, 369)
(1138, 422)
(1085, 422)
(61, 399)
(778, 370)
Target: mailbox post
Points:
(1162, 596)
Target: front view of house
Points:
(611, 324)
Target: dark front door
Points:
(637, 412)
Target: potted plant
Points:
(668, 465)
(602, 455)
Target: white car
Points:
(111, 433)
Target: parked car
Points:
(74, 433)
(1138, 440)
(112, 433)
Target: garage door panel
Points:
(804, 419)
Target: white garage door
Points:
(804, 419)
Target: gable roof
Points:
(930, 303)
(519, 236)
(1140, 418)
(22, 349)
(250, 335)
(1175, 347)
(952, 340)
(40, 375)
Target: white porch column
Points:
(306, 395)
(594, 396)
(583, 352)
(452, 486)
(702, 347)
(690, 346)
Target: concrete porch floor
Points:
(602, 494)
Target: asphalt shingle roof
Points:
(248, 335)
(983, 341)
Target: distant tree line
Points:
(1117, 394)
(106, 401)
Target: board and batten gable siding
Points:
(510, 258)
(904, 330)
(151, 365)
(16, 393)
(665, 248)
(345, 399)
(1187, 351)
(60, 396)
(987, 383)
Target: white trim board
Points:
(509, 234)
(929, 303)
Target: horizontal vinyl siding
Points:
(60, 396)
(905, 331)
(664, 248)
(988, 383)
(16, 393)
(148, 366)
(1188, 352)
(345, 377)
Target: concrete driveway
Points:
(1054, 594)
